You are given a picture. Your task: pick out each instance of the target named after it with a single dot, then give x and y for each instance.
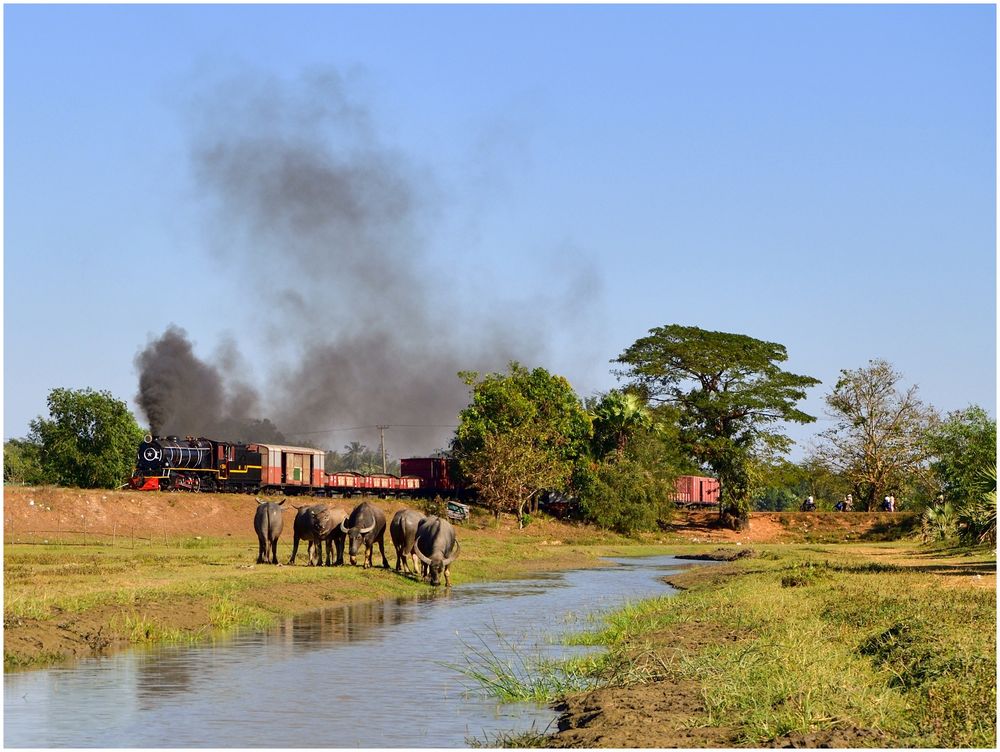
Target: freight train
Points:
(170, 463)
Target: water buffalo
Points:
(267, 522)
(318, 524)
(366, 525)
(403, 532)
(436, 547)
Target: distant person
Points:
(809, 505)
(848, 503)
(887, 504)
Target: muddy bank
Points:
(33, 514)
(659, 713)
(721, 554)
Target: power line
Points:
(375, 427)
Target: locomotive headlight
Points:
(151, 454)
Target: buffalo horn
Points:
(424, 559)
(454, 555)
(366, 530)
(343, 526)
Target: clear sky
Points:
(819, 176)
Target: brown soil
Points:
(30, 513)
(701, 526)
(662, 714)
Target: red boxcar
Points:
(696, 491)
(437, 475)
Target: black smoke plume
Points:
(327, 226)
(182, 395)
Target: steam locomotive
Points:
(198, 464)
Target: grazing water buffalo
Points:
(319, 524)
(267, 522)
(437, 547)
(403, 532)
(366, 525)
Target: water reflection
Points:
(156, 678)
(311, 680)
(353, 622)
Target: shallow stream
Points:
(373, 674)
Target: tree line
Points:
(692, 401)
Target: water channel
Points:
(370, 674)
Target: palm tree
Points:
(977, 516)
(354, 455)
(616, 419)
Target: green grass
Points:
(807, 644)
(506, 671)
(530, 739)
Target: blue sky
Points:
(818, 176)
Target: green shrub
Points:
(977, 516)
(939, 522)
(624, 497)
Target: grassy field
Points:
(65, 600)
(878, 646)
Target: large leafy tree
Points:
(963, 446)
(89, 439)
(22, 463)
(730, 393)
(539, 409)
(510, 468)
(878, 437)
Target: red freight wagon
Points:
(696, 491)
(409, 484)
(382, 483)
(344, 482)
(437, 474)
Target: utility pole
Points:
(381, 443)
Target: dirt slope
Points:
(31, 513)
